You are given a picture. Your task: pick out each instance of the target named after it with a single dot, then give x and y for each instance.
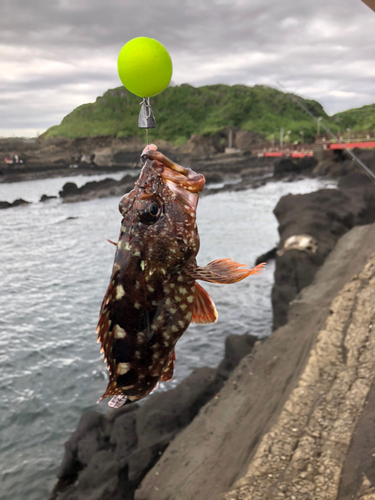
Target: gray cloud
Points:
(55, 55)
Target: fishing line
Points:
(355, 158)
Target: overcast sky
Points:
(58, 54)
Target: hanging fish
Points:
(153, 295)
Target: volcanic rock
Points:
(16, 203)
(45, 197)
(325, 215)
(285, 167)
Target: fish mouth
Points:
(183, 182)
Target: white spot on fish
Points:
(141, 336)
(188, 316)
(174, 328)
(182, 290)
(120, 292)
(181, 323)
(142, 265)
(137, 305)
(150, 288)
(119, 332)
(122, 368)
(190, 298)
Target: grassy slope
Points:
(357, 119)
(184, 110)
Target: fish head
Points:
(159, 223)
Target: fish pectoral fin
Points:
(204, 308)
(167, 374)
(223, 271)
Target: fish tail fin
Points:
(117, 401)
(204, 308)
(224, 271)
(111, 390)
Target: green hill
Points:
(184, 110)
(357, 119)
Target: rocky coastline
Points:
(287, 417)
(237, 171)
(61, 156)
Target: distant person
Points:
(15, 158)
(8, 160)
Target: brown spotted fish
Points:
(153, 295)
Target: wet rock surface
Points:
(96, 189)
(16, 203)
(109, 454)
(325, 215)
(287, 167)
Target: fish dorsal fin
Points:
(204, 308)
(223, 271)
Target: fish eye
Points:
(151, 212)
(153, 209)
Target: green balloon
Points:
(144, 66)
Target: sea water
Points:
(55, 266)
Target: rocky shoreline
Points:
(290, 417)
(251, 431)
(223, 172)
(61, 156)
